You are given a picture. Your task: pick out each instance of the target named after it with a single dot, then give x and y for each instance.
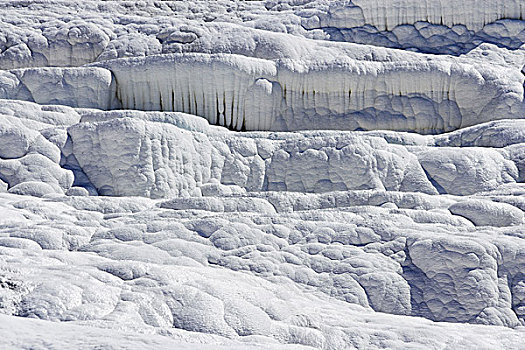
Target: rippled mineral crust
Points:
(293, 174)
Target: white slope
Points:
(213, 170)
(374, 199)
(132, 265)
(27, 333)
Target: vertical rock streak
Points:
(474, 14)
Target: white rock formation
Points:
(75, 87)
(384, 15)
(253, 94)
(373, 192)
(248, 94)
(159, 159)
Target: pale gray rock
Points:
(487, 213)
(32, 188)
(516, 153)
(77, 191)
(465, 171)
(364, 196)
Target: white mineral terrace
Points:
(474, 14)
(253, 94)
(280, 174)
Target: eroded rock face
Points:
(30, 163)
(180, 161)
(467, 171)
(347, 93)
(211, 170)
(484, 213)
(371, 191)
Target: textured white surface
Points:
(473, 14)
(339, 94)
(375, 202)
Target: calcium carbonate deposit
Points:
(281, 174)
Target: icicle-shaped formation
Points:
(218, 87)
(426, 97)
(253, 94)
(474, 14)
